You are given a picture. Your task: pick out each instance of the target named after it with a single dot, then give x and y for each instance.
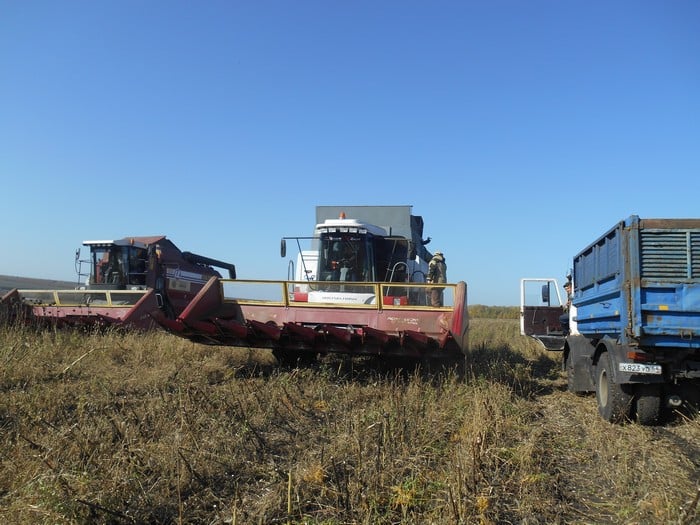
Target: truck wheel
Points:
(648, 401)
(614, 401)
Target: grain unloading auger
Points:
(128, 280)
(360, 290)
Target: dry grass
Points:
(153, 429)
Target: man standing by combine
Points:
(437, 273)
(564, 318)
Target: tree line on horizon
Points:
(493, 312)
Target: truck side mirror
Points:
(283, 248)
(545, 293)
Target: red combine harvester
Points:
(129, 279)
(360, 290)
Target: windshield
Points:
(345, 257)
(118, 265)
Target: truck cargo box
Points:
(640, 283)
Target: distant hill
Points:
(9, 282)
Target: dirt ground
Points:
(600, 467)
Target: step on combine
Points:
(360, 290)
(127, 282)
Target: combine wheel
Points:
(648, 401)
(614, 402)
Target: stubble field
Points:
(112, 428)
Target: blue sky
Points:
(519, 130)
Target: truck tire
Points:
(614, 400)
(648, 404)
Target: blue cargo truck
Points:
(630, 330)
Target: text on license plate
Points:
(638, 368)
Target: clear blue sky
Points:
(519, 130)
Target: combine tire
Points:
(614, 401)
(648, 401)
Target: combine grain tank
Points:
(359, 289)
(128, 280)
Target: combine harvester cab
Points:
(359, 290)
(128, 280)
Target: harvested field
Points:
(113, 428)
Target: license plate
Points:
(638, 368)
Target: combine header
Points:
(360, 290)
(128, 280)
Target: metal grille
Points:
(670, 254)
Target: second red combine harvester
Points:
(360, 289)
(127, 282)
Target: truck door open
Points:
(541, 307)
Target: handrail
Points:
(393, 268)
(37, 297)
(284, 293)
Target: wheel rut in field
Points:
(596, 468)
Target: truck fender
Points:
(613, 349)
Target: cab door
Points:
(541, 308)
